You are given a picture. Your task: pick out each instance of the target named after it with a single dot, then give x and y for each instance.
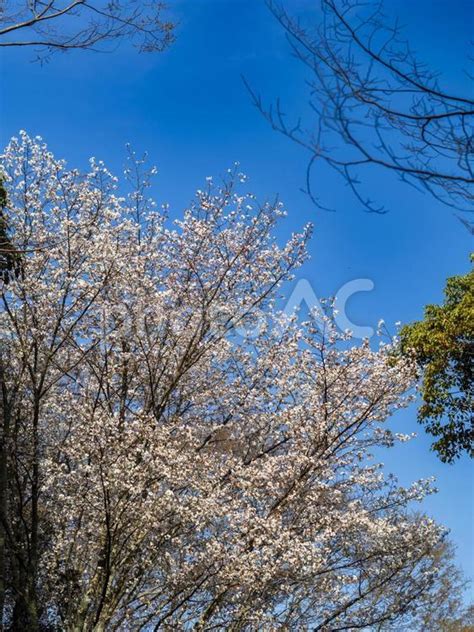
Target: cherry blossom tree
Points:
(159, 472)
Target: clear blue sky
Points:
(189, 109)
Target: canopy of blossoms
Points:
(160, 472)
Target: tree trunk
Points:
(25, 612)
(4, 440)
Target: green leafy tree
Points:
(443, 343)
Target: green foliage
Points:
(443, 343)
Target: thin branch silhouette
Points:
(377, 105)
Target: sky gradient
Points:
(189, 109)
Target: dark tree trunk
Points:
(5, 417)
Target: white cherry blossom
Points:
(162, 473)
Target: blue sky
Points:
(189, 109)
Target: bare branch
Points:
(377, 105)
(81, 24)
